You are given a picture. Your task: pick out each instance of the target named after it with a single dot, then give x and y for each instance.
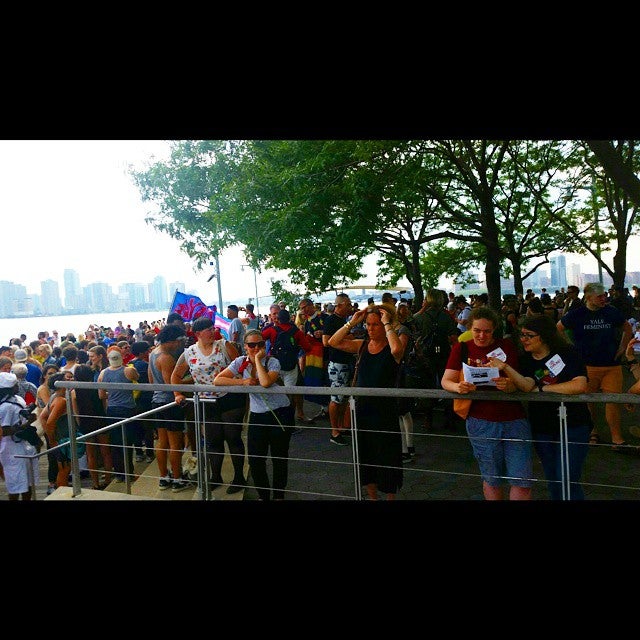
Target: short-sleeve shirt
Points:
(543, 416)
(260, 402)
(502, 411)
(596, 334)
(332, 323)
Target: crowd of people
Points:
(561, 343)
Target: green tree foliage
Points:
(317, 208)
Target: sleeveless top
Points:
(205, 368)
(378, 370)
(90, 410)
(159, 396)
(119, 397)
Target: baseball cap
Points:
(8, 380)
(115, 357)
(20, 355)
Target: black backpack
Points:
(285, 349)
(434, 343)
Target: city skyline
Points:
(17, 301)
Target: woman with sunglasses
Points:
(271, 415)
(551, 365)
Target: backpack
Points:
(417, 370)
(434, 343)
(285, 349)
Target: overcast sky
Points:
(70, 204)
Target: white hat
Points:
(8, 380)
(20, 355)
(115, 357)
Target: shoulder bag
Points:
(461, 407)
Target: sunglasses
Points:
(255, 345)
(528, 336)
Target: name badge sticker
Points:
(555, 364)
(498, 354)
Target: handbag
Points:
(461, 407)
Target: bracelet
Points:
(348, 324)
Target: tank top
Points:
(205, 368)
(118, 397)
(159, 396)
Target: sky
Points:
(69, 204)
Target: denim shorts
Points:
(339, 376)
(503, 451)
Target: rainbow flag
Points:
(191, 307)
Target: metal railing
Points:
(203, 488)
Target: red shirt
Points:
(487, 409)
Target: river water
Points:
(13, 327)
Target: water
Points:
(13, 327)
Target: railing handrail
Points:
(397, 392)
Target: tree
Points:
(317, 207)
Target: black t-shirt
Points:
(332, 323)
(543, 416)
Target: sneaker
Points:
(406, 457)
(150, 457)
(139, 457)
(179, 485)
(339, 440)
(50, 490)
(119, 477)
(164, 483)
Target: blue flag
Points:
(191, 307)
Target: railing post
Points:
(354, 448)
(76, 483)
(564, 453)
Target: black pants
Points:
(267, 437)
(52, 467)
(143, 429)
(115, 414)
(226, 426)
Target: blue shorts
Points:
(503, 451)
(339, 376)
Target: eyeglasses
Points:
(528, 336)
(254, 345)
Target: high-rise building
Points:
(72, 290)
(558, 271)
(51, 304)
(158, 293)
(136, 293)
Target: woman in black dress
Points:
(378, 430)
